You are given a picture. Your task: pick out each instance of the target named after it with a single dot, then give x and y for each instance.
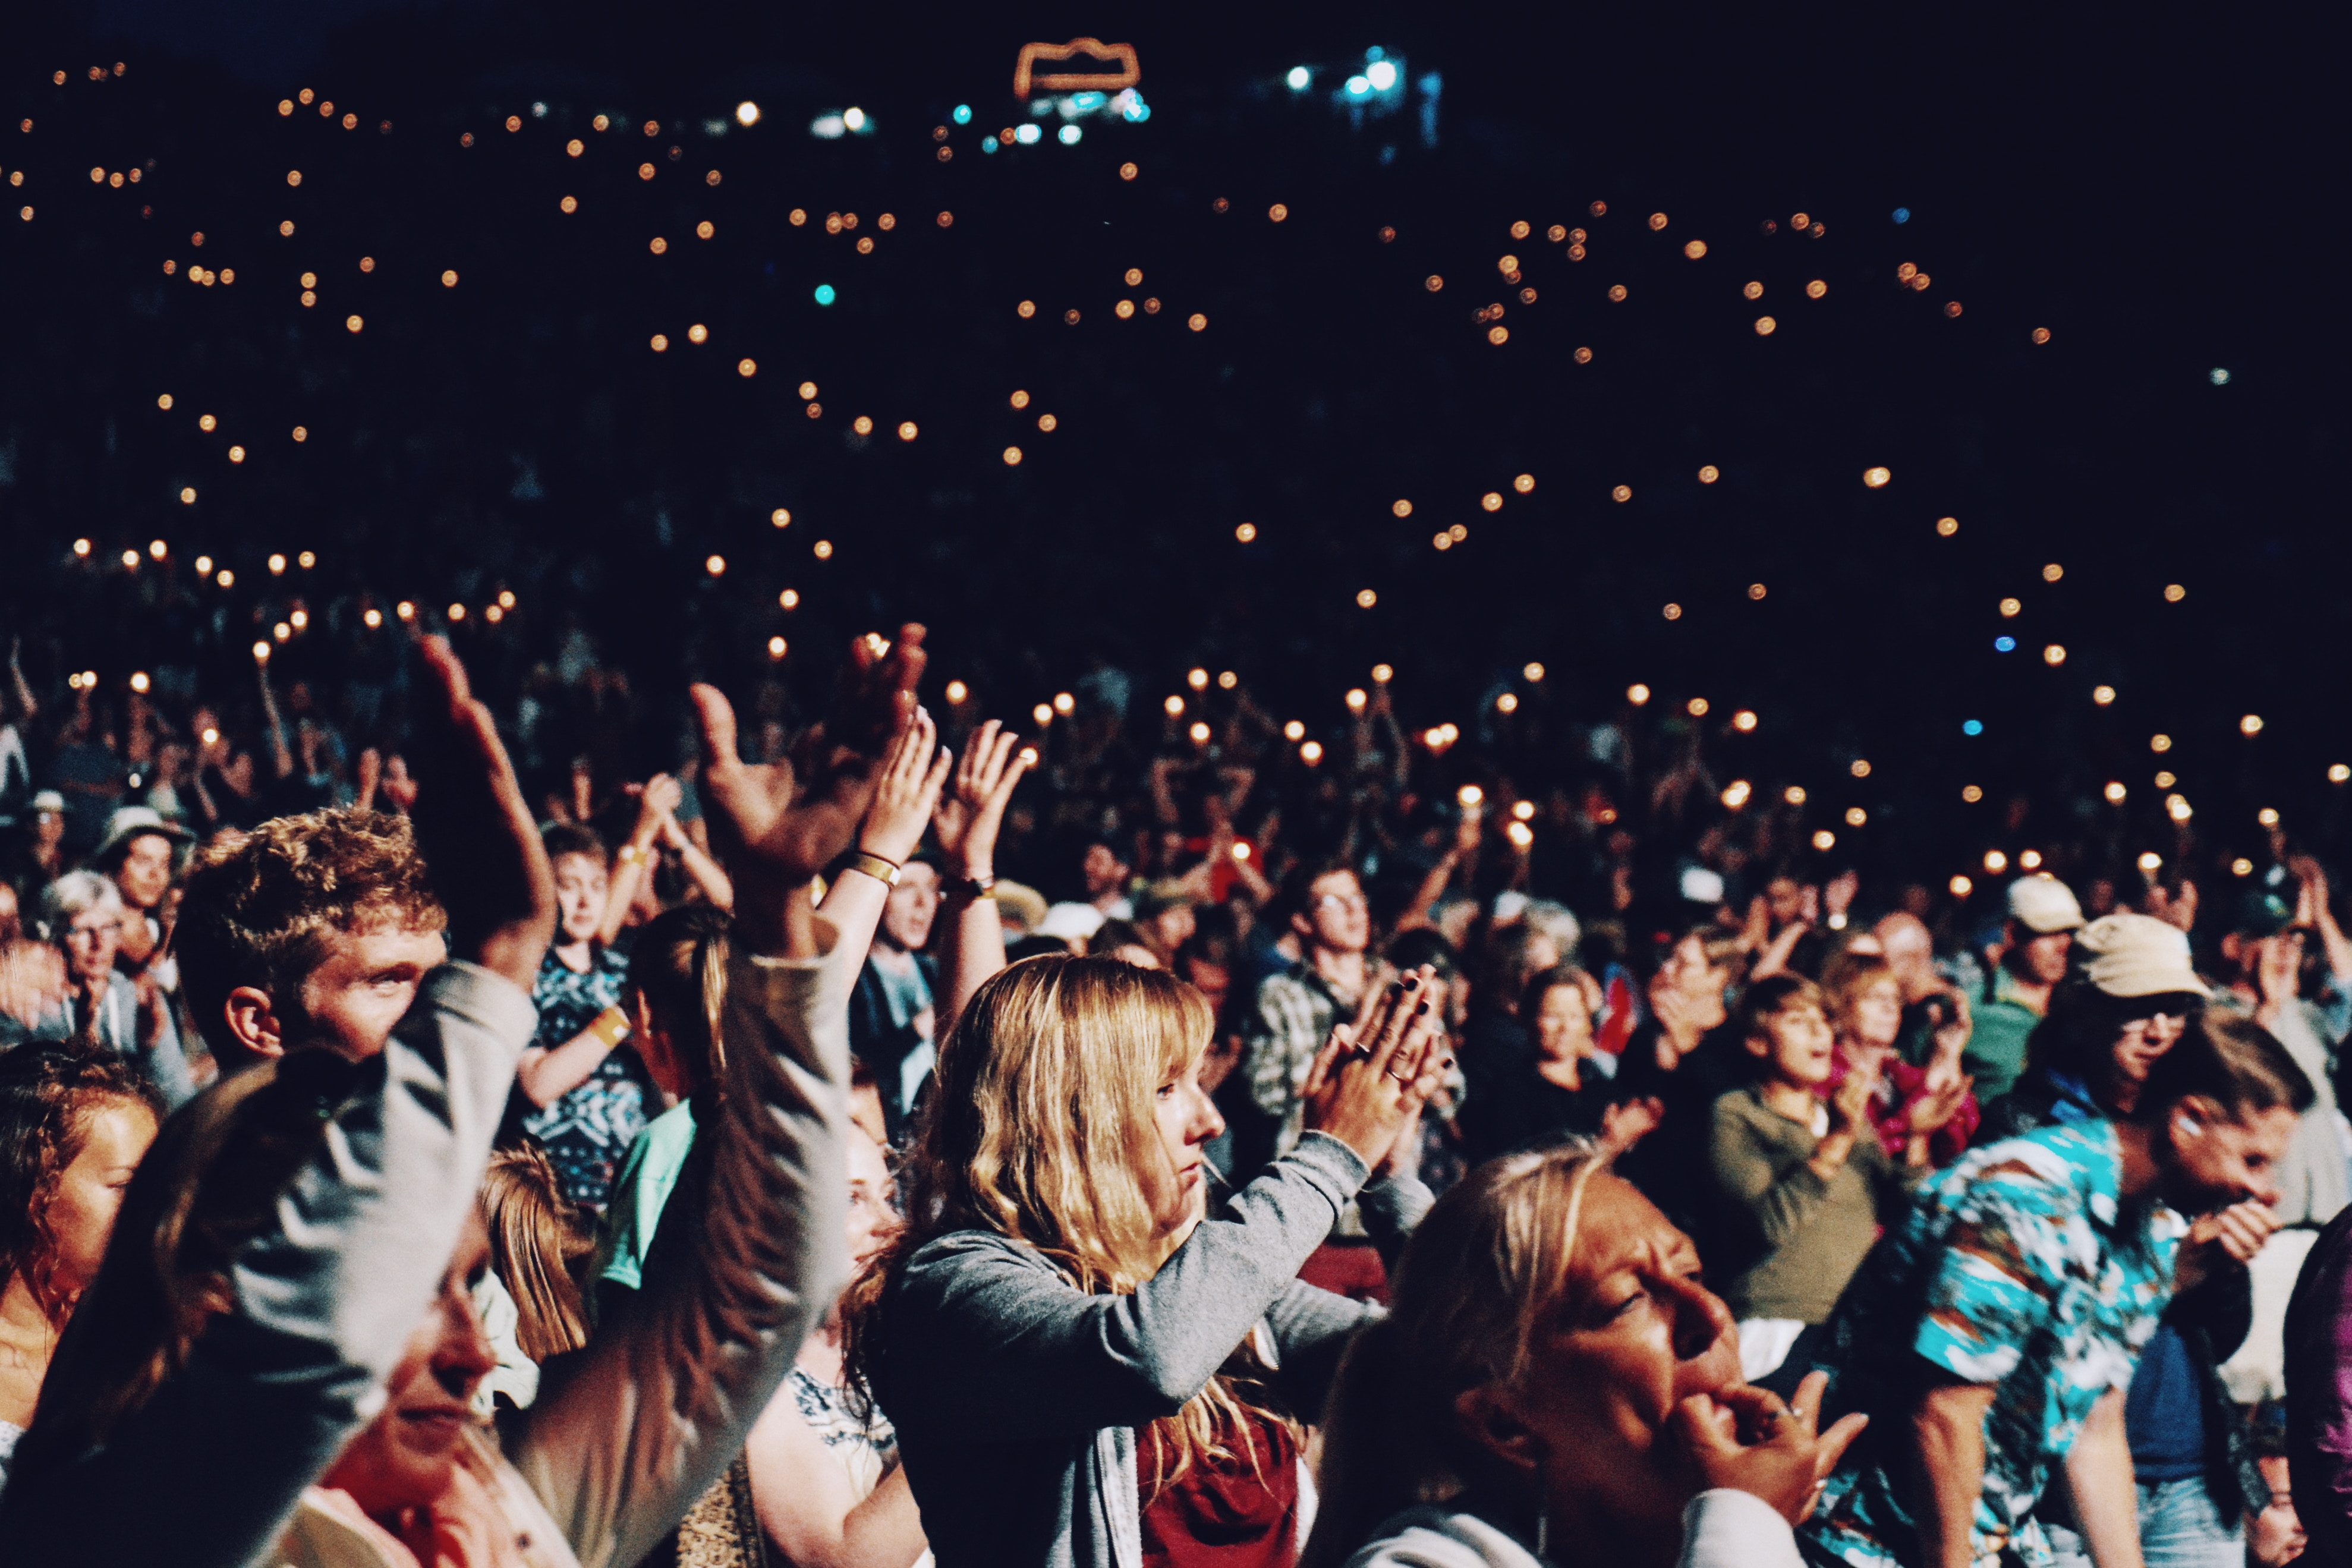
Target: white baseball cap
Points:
(2043, 904)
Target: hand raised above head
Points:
(971, 812)
(480, 846)
(905, 791)
(774, 825)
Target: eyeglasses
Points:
(1342, 902)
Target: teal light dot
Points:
(964, 114)
(824, 295)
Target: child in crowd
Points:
(1801, 1185)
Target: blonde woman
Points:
(1555, 1385)
(1087, 1363)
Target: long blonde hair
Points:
(1039, 1128)
(536, 1244)
(1492, 1258)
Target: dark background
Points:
(2161, 190)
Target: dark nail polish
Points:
(1411, 981)
(1417, 1012)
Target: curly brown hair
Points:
(48, 1094)
(257, 904)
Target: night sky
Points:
(2164, 200)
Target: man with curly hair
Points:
(306, 931)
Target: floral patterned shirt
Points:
(2020, 1266)
(589, 1130)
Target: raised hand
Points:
(1939, 1103)
(480, 847)
(1850, 1107)
(1747, 1440)
(776, 824)
(1627, 1123)
(1372, 1078)
(399, 785)
(904, 795)
(971, 813)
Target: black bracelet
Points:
(969, 887)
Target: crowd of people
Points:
(521, 1164)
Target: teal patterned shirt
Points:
(2020, 1267)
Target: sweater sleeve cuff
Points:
(1334, 1167)
(1727, 1529)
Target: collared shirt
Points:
(2020, 1266)
(1295, 1012)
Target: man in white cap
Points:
(2038, 937)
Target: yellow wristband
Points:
(610, 1026)
(883, 871)
(633, 855)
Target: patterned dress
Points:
(2020, 1267)
(589, 1130)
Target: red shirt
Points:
(1223, 1512)
(1900, 1084)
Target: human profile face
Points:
(91, 941)
(1339, 919)
(913, 905)
(1185, 1119)
(1564, 1025)
(2042, 959)
(872, 1217)
(405, 1458)
(78, 1216)
(1632, 1335)
(362, 985)
(2218, 1159)
(580, 884)
(1876, 1014)
(2143, 1037)
(146, 871)
(1796, 1045)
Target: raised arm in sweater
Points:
(644, 1421)
(207, 1472)
(985, 1331)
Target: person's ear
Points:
(1488, 1420)
(2233, 947)
(253, 1021)
(2193, 1117)
(1303, 924)
(1759, 1046)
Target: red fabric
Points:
(1900, 1084)
(1224, 1513)
(1221, 875)
(1616, 1015)
(1349, 1268)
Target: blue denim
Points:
(2179, 1528)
